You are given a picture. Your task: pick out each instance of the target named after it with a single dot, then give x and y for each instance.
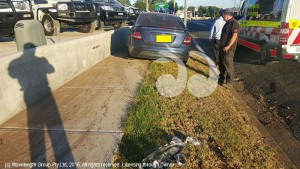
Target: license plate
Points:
(163, 38)
(120, 14)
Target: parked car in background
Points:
(111, 12)
(55, 15)
(156, 33)
(132, 14)
(11, 11)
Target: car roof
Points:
(159, 14)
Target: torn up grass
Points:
(228, 139)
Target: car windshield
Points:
(107, 1)
(159, 20)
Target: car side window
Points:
(268, 16)
(267, 10)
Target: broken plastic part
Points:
(180, 158)
(192, 141)
(164, 156)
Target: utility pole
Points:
(174, 7)
(234, 5)
(185, 13)
(147, 5)
(240, 4)
(194, 11)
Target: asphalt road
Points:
(274, 89)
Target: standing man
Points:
(228, 43)
(215, 35)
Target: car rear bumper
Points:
(292, 54)
(154, 52)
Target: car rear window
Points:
(159, 20)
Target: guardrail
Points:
(21, 72)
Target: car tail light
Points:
(284, 33)
(137, 35)
(164, 27)
(187, 40)
(287, 56)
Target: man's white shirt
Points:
(216, 29)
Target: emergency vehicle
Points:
(271, 27)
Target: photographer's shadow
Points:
(42, 113)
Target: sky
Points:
(217, 3)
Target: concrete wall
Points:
(30, 75)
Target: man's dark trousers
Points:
(226, 66)
(216, 50)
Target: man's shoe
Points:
(236, 79)
(220, 82)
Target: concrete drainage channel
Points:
(69, 59)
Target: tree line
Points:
(209, 11)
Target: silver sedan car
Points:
(154, 35)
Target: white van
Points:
(271, 27)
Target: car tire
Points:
(88, 28)
(99, 24)
(119, 25)
(50, 25)
(264, 54)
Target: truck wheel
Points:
(99, 24)
(264, 54)
(50, 25)
(119, 25)
(88, 28)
